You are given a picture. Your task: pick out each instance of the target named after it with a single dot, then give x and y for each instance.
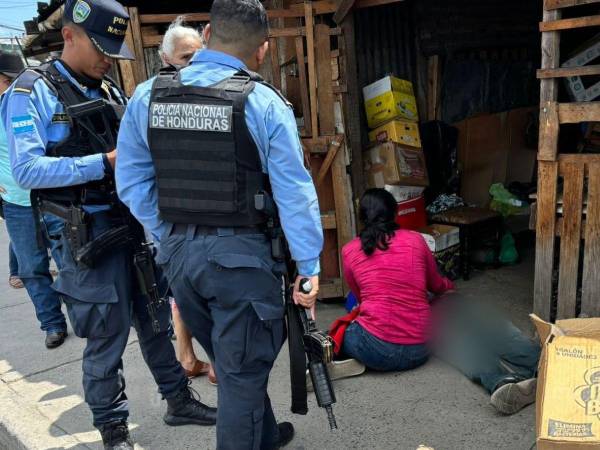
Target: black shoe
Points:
(55, 339)
(286, 433)
(184, 409)
(115, 436)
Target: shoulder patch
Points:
(22, 124)
(61, 118)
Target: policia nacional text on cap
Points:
(61, 120)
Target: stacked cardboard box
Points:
(395, 160)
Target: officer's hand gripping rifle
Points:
(319, 349)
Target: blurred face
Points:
(82, 55)
(184, 50)
(4, 83)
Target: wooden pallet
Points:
(320, 87)
(573, 172)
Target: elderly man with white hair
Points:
(178, 46)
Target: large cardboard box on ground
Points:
(390, 98)
(568, 393)
(390, 163)
(399, 131)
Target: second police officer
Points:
(62, 147)
(194, 149)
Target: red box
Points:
(411, 214)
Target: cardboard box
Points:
(440, 237)
(390, 98)
(568, 391)
(399, 131)
(403, 193)
(389, 163)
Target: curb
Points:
(23, 427)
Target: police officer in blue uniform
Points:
(62, 119)
(195, 147)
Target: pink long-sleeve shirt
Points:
(392, 287)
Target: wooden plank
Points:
(331, 288)
(556, 4)
(545, 235)
(352, 104)
(343, 8)
(128, 71)
(578, 159)
(342, 198)
(275, 68)
(287, 32)
(433, 86)
(324, 86)
(579, 112)
(319, 7)
(304, 96)
(568, 24)
(565, 72)
(154, 40)
(550, 59)
(138, 48)
(549, 128)
(590, 285)
(312, 71)
(328, 220)
(570, 241)
(334, 146)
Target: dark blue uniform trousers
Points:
(102, 303)
(229, 292)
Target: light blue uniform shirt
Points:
(272, 125)
(14, 194)
(33, 124)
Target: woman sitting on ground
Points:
(391, 272)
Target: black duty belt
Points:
(195, 230)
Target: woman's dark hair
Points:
(377, 213)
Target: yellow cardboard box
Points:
(400, 131)
(390, 163)
(568, 392)
(389, 98)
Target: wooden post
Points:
(433, 87)
(312, 72)
(302, 78)
(570, 240)
(138, 48)
(352, 104)
(547, 180)
(590, 286)
(324, 83)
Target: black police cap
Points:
(10, 64)
(105, 22)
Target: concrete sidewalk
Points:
(42, 407)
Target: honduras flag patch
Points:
(22, 124)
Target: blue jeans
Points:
(13, 264)
(485, 346)
(380, 355)
(33, 263)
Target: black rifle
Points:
(305, 340)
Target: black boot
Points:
(55, 339)
(115, 436)
(286, 433)
(184, 409)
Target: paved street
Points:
(42, 407)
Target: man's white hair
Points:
(175, 32)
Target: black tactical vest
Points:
(93, 129)
(208, 167)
